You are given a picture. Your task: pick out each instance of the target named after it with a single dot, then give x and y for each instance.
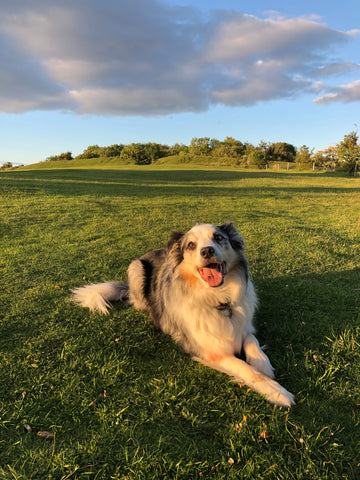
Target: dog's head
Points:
(208, 252)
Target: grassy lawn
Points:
(119, 399)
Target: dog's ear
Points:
(174, 238)
(174, 247)
(235, 238)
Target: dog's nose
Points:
(207, 252)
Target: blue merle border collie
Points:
(197, 289)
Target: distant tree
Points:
(136, 153)
(111, 151)
(281, 152)
(6, 165)
(263, 146)
(165, 151)
(304, 156)
(200, 146)
(214, 142)
(327, 158)
(92, 151)
(257, 158)
(142, 153)
(229, 148)
(65, 156)
(153, 151)
(348, 152)
(51, 158)
(179, 147)
(62, 156)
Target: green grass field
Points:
(119, 399)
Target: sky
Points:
(75, 73)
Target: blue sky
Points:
(85, 72)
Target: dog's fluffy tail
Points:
(96, 297)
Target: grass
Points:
(119, 398)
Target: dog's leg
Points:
(138, 284)
(256, 357)
(245, 373)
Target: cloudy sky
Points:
(82, 72)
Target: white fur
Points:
(96, 297)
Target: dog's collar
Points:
(225, 307)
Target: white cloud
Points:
(344, 93)
(295, 39)
(144, 58)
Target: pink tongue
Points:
(212, 276)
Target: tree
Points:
(348, 152)
(112, 151)
(6, 165)
(327, 158)
(142, 153)
(136, 153)
(229, 148)
(200, 146)
(304, 156)
(281, 152)
(263, 146)
(92, 151)
(65, 156)
(62, 156)
(153, 151)
(257, 158)
(214, 143)
(180, 147)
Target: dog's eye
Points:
(191, 246)
(218, 237)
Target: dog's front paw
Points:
(261, 363)
(277, 394)
(282, 398)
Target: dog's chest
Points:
(218, 329)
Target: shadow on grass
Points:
(142, 183)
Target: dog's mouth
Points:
(213, 274)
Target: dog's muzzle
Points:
(207, 252)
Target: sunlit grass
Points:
(121, 400)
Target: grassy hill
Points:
(117, 162)
(118, 398)
(171, 161)
(103, 162)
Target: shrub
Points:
(6, 165)
(62, 156)
(257, 158)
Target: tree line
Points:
(344, 155)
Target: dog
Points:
(198, 290)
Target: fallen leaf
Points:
(238, 427)
(45, 434)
